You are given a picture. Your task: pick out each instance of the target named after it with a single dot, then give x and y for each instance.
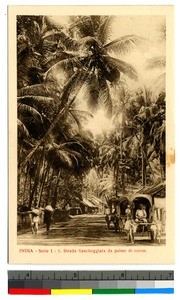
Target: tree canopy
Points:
(65, 75)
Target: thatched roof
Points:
(153, 190)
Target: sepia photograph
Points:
(90, 131)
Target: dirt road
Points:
(79, 230)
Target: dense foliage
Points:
(60, 69)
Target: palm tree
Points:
(159, 63)
(68, 141)
(139, 135)
(34, 52)
(150, 122)
(89, 65)
(46, 105)
(90, 55)
(59, 157)
(158, 135)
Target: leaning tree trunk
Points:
(49, 187)
(121, 141)
(116, 176)
(123, 181)
(143, 158)
(25, 182)
(55, 190)
(36, 180)
(162, 158)
(43, 182)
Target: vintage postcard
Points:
(91, 134)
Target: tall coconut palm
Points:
(33, 50)
(159, 63)
(87, 43)
(149, 120)
(36, 114)
(89, 66)
(138, 119)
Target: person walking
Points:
(128, 212)
(35, 212)
(107, 217)
(48, 217)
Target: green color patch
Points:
(113, 291)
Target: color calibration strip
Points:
(90, 282)
(90, 291)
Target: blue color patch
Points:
(155, 291)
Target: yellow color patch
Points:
(71, 292)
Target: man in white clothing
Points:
(141, 214)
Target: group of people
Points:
(132, 220)
(35, 217)
(131, 224)
(140, 215)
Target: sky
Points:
(145, 26)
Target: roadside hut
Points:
(87, 206)
(99, 203)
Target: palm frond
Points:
(55, 57)
(42, 89)
(57, 156)
(65, 158)
(96, 21)
(90, 91)
(134, 146)
(74, 85)
(83, 25)
(74, 155)
(123, 44)
(104, 149)
(24, 109)
(37, 28)
(159, 85)
(76, 119)
(107, 183)
(122, 66)
(70, 144)
(81, 113)
(81, 117)
(66, 65)
(28, 68)
(104, 29)
(22, 130)
(69, 43)
(45, 105)
(158, 62)
(38, 99)
(104, 95)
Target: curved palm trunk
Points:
(25, 182)
(123, 181)
(143, 158)
(121, 142)
(116, 176)
(20, 172)
(74, 80)
(162, 159)
(36, 180)
(55, 190)
(46, 170)
(48, 201)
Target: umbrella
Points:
(49, 208)
(35, 211)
